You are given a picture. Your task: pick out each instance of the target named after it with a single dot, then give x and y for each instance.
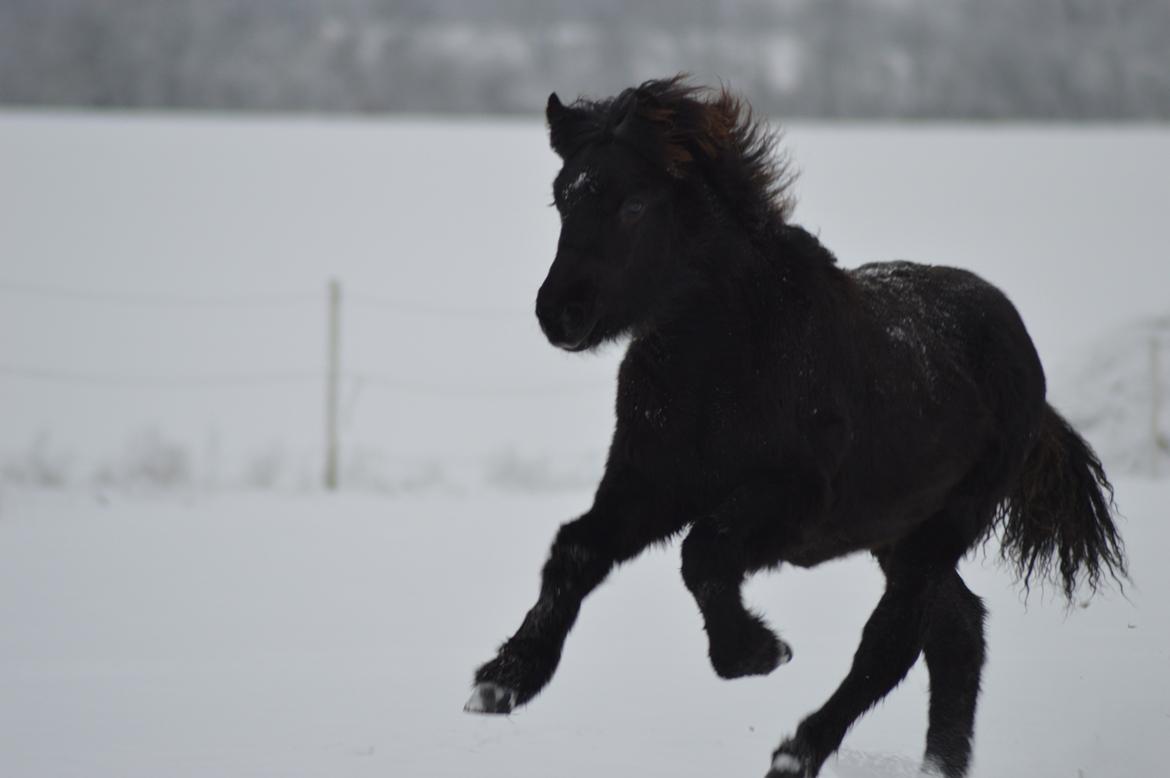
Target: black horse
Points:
(788, 410)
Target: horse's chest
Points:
(656, 415)
(681, 427)
(651, 410)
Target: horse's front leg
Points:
(748, 532)
(624, 519)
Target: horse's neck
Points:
(748, 286)
(785, 272)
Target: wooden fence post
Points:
(1161, 443)
(332, 377)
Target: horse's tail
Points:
(1060, 512)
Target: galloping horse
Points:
(787, 410)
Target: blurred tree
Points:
(830, 58)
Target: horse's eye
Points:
(633, 208)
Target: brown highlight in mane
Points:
(701, 125)
(692, 132)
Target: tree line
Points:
(986, 59)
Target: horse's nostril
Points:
(572, 317)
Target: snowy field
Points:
(268, 636)
(179, 598)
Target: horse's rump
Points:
(952, 388)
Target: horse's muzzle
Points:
(568, 324)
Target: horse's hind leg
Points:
(954, 651)
(890, 644)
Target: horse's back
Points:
(957, 334)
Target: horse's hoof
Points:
(932, 768)
(792, 760)
(488, 697)
(788, 766)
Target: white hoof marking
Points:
(490, 698)
(786, 763)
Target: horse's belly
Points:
(872, 509)
(851, 532)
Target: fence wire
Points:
(157, 300)
(244, 301)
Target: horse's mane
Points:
(688, 129)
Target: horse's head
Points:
(647, 177)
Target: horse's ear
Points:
(563, 125)
(555, 108)
(624, 128)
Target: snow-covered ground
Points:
(335, 636)
(1118, 394)
(162, 338)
